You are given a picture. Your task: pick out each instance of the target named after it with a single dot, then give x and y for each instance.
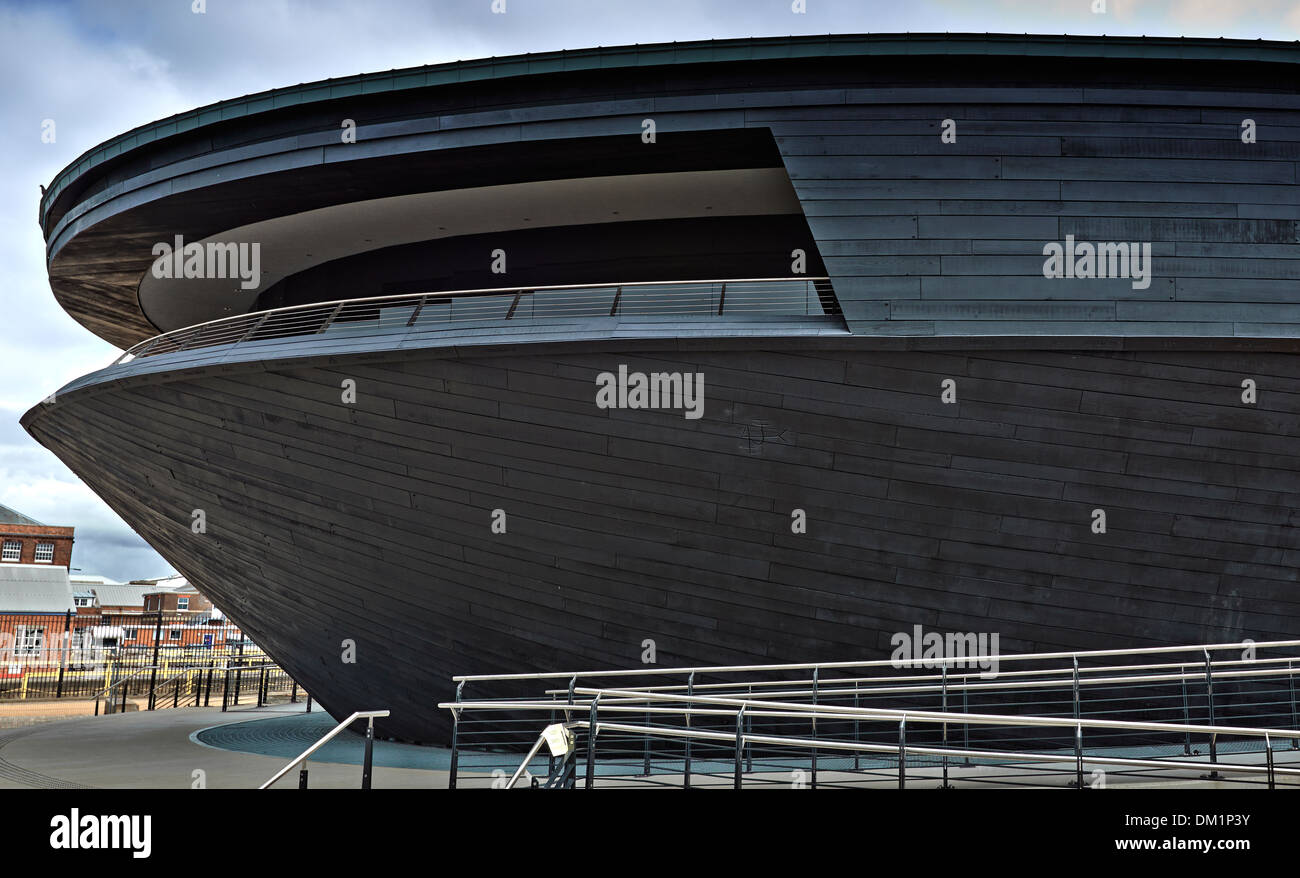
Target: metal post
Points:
(63, 665)
(1268, 749)
(293, 692)
(945, 785)
(1209, 692)
(645, 770)
(126, 684)
(591, 745)
(302, 775)
(1078, 756)
(740, 745)
(902, 753)
(225, 690)
(239, 671)
(455, 738)
(308, 703)
(857, 731)
(749, 730)
(367, 765)
(965, 727)
(176, 693)
(1076, 687)
(207, 697)
(261, 688)
(1187, 717)
(686, 773)
(157, 645)
(550, 758)
(816, 673)
(1295, 723)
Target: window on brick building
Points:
(44, 553)
(182, 603)
(13, 551)
(28, 640)
(175, 634)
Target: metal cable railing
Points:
(1210, 711)
(740, 299)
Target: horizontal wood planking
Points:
(370, 521)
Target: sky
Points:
(101, 67)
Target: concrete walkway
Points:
(153, 750)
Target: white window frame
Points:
(13, 546)
(182, 603)
(48, 547)
(29, 640)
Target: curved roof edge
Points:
(656, 54)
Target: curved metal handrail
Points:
(802, 296)
(301, 759)
(875, 663)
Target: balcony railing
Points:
(750, 298)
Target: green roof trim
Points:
(655, 54)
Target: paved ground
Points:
(164, 749)
(155, 751)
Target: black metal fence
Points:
(126, 661)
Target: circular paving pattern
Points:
(287, 736)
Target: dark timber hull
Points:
(370, 522)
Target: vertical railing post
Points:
(690, 692)
(67, 642)
(749, 730)
(455, 739)
(157, 645)
(1187, 714)
(1295, 722)
(902, 753)
(1268, 750)
(225, 689)
(1078, 755)
(965, 709)
(740, 745)
(1209, 692)
(857, 730)
(944, 709)
(816, 678)
(591, 744)
(1076, 688)
(368, 763)
(550, 758)
(645, 770)
(239, 672)
(302, 775)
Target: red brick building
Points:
(172, 594)
(28, 541)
